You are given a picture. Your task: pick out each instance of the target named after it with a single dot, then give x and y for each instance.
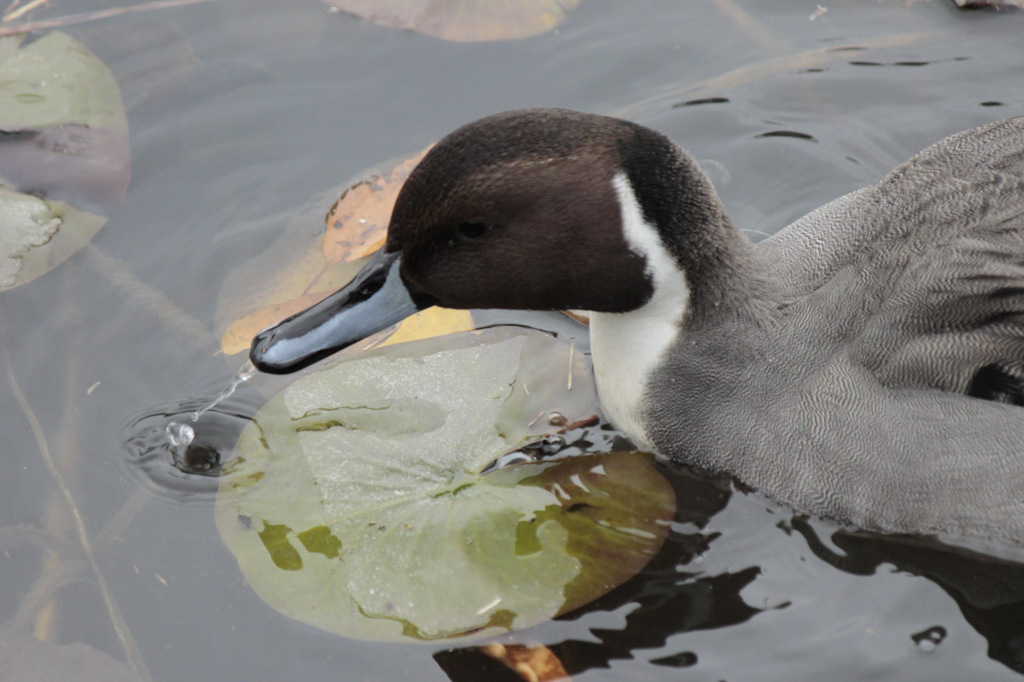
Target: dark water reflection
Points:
(988, 590)
(243, 111)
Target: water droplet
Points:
(182, 457)
(180, 435)
(244, 373)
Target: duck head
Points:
(521, 210)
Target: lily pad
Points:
(464, 20)
(37, 236)
(357, 503)
(65, 132)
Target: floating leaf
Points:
(357, 224)
(65, 132)
(357, 505)
(464, 20)
(37, 236)
(294, 274)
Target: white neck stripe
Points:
(628, 347)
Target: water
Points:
(184, 454)
(162, 441)
(242, 112)
(246, 372)
(179, 459)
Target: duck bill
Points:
(375, 299)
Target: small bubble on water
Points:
(927, 640)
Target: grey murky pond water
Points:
(242, 111)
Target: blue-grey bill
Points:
(375, 299)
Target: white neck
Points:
(627, 347)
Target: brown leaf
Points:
(580, 316)
(357, 224)
(532, 663)
(238, 336)
(464, 20)
(424, 324)
(295, 275)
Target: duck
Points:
(864, 365)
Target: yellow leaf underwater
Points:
(357, 224)
(428, 323)
(296, 275)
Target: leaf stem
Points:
(15, 12)
(84, 17)
(131, 650)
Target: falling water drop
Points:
(245, 372)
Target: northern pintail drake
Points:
(865, 364)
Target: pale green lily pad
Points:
(63, 134)
(53, 81)
(356, 503)
(37, 236)
(66, 135)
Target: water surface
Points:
(243, 112)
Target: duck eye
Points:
(472, 230)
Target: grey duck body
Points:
(843, 385)
(865, 364)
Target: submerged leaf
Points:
(357, 224)
(295, 274)
(24, 658)
(428, 323)
(37, 236)
(424, 324)
(532, 664)
(357, 504)
(65, 132)
(464, 20)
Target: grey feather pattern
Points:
(844, 388)
(939, 257)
